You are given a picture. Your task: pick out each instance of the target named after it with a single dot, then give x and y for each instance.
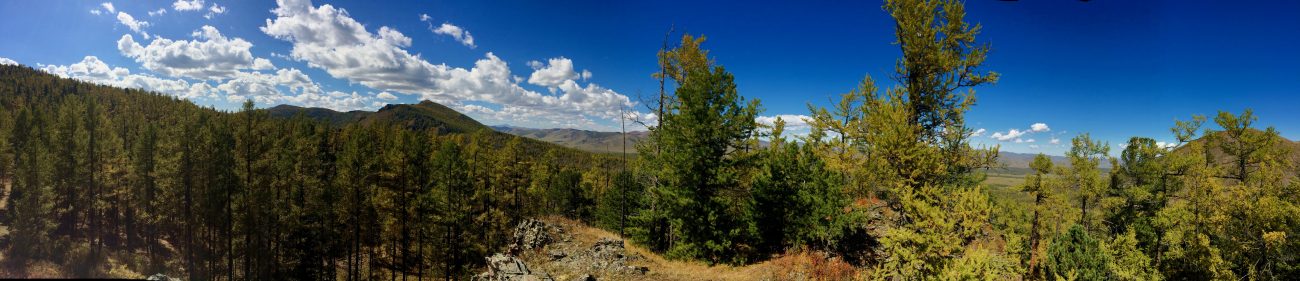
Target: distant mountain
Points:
(1022, 160)
(423, 116)
(1018, 163)
(580, 139)
(322, 114)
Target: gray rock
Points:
(533, 234)
(161, 277)
(509, 268)
(557, 254)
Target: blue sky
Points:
(1114, 69)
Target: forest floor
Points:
(584, 254)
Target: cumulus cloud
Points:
(158, 12)
(7, 61)
(1039, 127)
(792, 121)
(978, 133)
(460, 34)
(386, 96)
(108, 6)
(92, 69)
(96, 12)
(554, 73)
(213, 56)
(1009, 135)
(131, 22)
(214, 10)
(182, 5)
(328, 38)
(265, 88)
(1054, 141)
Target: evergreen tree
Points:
(1084, 174)
(1077, 255)
(29, 206)
(1034, 183)
(701, 132)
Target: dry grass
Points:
(798, 266)
(805, 265)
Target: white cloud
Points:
(1039, 127)
(1054, 141)
(91, 69)
(460, 34)
(182, 5)
(265, 88)
(386, 96)
(7, 61)
(130, 22)
(1010, 135)
(556, 72)
(327, 38)
(457, 32)
(1166, 145)
(215, 57)
(1030, 140)
(214, 10)
(792, 121)
(96, 12)
(1018, 140)
(158, 12)
(978, 133)
(108, 6)
(1033, 146)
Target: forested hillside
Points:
(109, 182)
(613, 142)
(99, 176)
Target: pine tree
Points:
(706, 124)
(1035, 184)
(1076, 254)
(28, 209)
(1084, 174)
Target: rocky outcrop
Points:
(550, 247)
(501, 267)
(533, 234)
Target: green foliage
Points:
(29, 197)
(620, 203)
(1126, 261)
(698, 161)
(1075, 253)
(1084, 174)
(798, 202)
(909, 145)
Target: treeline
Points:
(1219, 204)
(889, 181)
(102, 179)
(886, 180)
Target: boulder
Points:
(533, 234)
(508, 268)
(557, 254)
